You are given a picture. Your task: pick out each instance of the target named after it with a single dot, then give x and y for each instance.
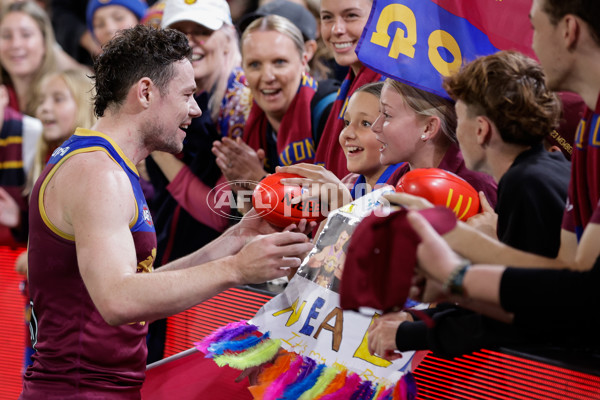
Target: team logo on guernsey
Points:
(61, 151)
(147, 216)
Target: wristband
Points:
(454, 283)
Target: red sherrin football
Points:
(442, 188)
(272, 201)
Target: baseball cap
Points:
(209, 13)
(382, 256)
(299, 15)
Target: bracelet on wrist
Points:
(454, 282)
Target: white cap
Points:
(209, 13)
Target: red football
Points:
(442, 188)
(272, 201)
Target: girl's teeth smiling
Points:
(354, 149)
(197, 57)
(342, 45)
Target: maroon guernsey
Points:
(78, 355)
(584, 190)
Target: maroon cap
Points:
(382, 256)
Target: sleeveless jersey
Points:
(79, 355)
(584, 189)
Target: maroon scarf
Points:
(294, 138)
(329, 152)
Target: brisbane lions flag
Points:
(421, 41)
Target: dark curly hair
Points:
(135, 53)
(587, 10)
(508, 88)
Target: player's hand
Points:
(252, 224)
(268, 257)
(304, 226)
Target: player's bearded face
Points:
(158, 137)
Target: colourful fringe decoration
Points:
(347, 390)
(257, 355)
(411, 385)
(321, 384)
(296, 390)
(236, 345)
(292, 376)
(239, 332)
(307, 368)
(385, 394)
(399, 390)
(269, 374)
(364, 391)
(281, 364)
(217, 335)
(377, 389)
(337, 383)
(276, 389)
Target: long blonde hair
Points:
(81, 87)
(48, 61)
(233, 58)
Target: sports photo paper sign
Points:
(307, 316)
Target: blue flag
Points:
(420, 42)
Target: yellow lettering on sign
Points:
(295, 342)
(404, 41)
(362, 351)
(295, 312)
(317, 357)
(440, 38)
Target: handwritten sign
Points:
(307, 316)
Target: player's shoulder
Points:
(92, 172)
